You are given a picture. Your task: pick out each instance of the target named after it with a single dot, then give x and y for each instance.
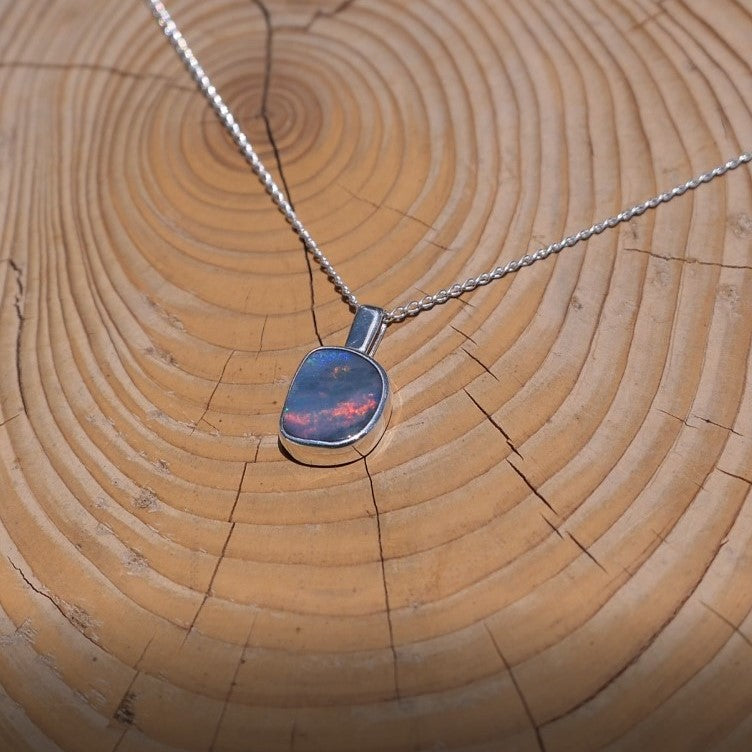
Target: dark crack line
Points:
(713, 423)
(210, 587)
(222, 553)
(233, 684)
(96, 68)
(518, 689)
(120, 739)
(18, 306)
(383, 579)
(734, 475)
(491, 420)
(124, 712)
(587, 553)
(689, 260)
(318, 14)
(675, 417)
(240, 486)
(214, 391)
(535, 491)
(261, 338)
(466, 336)
(394, 209)
(8, 420)
(646, 20)
(552, 526)
(53, 601)
(480, 363)
(731, 624)
(264, 113)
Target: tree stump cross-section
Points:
(550, 548)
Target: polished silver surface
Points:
(367, 329)
(414, 307)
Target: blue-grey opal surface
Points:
(334, 395)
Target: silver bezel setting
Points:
(327, 453)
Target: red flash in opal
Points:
(333, 397)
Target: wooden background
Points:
(550, 550)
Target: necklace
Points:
(339, 400)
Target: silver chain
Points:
(414, 307)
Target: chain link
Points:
(414, 307)
(207, 88)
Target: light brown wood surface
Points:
(552, 547)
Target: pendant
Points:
(339, 401)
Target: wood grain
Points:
(550, 550)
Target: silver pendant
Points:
(339, 401)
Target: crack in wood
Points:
(318, 14)
(18, 302)
(466, 336)
(586, 551)
(211, 396)
(481, 364)
(387, 604)
(233, 684)
(221, 556)
(264, 114)
(748, 481)
(719, 425)
(734, 627)
(125, 713)
(402, 213)
(552, 526)
(8, 420)
(95, 68)
(72, 618)
(649, 641)
(688, 259)
(518, 689)
(491, 419)
(535, 491)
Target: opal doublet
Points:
(336, 408)
(339, 402)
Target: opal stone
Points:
(334, 396)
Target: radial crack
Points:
(688, 259)
(214, 391)
(232, 686)
(728, 622)
(55, 602)
(734, 475)
(585, 551)
(535, 491)
(318, 13)
(18, 306)
(210, 587)
(719, 425)
(96, 68)
(481, 364)
(383, 579)
(8, 420)
(264, 113)
(518, 689)
(466, 336)
(552, 526)
(491, 420)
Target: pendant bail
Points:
(367, 329)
